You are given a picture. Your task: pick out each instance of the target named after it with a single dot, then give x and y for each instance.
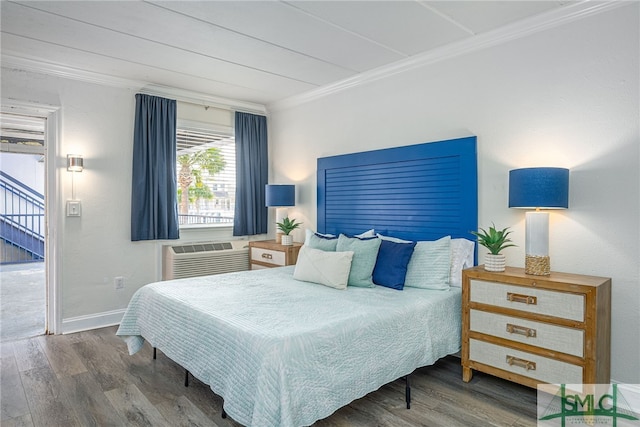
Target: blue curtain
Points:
(251, 174)
(154, 208)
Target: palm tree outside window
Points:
(205, 177)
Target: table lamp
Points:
(280, 196)
(538, 188)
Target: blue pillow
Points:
(391, 264)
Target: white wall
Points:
(26, 168)
(97, 122)
(566, 97)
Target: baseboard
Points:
(92, 321)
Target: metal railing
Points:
(21, 222)
(191, 219)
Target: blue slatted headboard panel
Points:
(416, 192)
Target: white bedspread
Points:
(287, 353)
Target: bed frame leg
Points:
(407, 392)
(186, 378)
(224, 414)
(154, 353)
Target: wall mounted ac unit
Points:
(202, 259)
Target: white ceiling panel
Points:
(285, 25)
(254, 51)
(482, 16)
(137, 23)
(117, 46)
(143, 73)
(407, 27)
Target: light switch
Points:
(73, 208)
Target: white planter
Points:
(287, 240)
(494, 262)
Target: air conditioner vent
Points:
(202, 259)
(202, 247)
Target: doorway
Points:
(23, 278)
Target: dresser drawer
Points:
(539, 334)
(268, 256)
(532, 300)
(560, 325)
(522, 363)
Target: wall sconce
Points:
(538, 188)
(75, 163)
(280, 196)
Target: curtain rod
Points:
(204, 100)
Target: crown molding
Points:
(523, 28)
(533, 25)
(57, 70)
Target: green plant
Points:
(494, 240)
(191, 167)
(288, 225)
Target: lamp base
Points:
(537, 265)
(279, 237)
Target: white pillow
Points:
(393, 239)
(367, 234)
(323, 267)
(462, 256)
(309, 233)
(430, 265)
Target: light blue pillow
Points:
(365, 253)
(430, 265)
(323, 243)
(308, 233)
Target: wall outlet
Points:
(119, 282)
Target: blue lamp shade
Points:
(544, 188)
(277, 195)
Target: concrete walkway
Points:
(22, 301)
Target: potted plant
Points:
(287, 226)
(494, 240)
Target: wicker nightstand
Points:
(268, 254)
(536, 329)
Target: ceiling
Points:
(253, 51)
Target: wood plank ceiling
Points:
(253, 51)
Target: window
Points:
(206, 168)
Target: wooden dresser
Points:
(536, 329)
(268, 254)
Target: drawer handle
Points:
(267, 256)
(521, 330)
(526, 364)
(525, 299)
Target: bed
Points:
(285, 352)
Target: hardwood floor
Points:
(89, 379)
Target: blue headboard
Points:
(416, 192)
